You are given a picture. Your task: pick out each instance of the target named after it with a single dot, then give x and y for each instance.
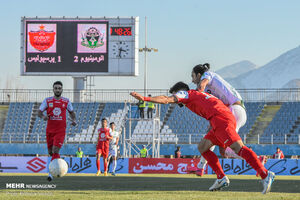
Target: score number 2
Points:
(75, 59)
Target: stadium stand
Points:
(113, 112)
(253, 111)
(177, 125)
(183, 123)
(285, 125)
(143, 130)
(17, 121)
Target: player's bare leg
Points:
(98, 155)
(213, 161)
(50, 177)
(251, 158)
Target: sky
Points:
(186, 33)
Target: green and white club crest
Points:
(92, 38)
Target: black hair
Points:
(111, 123)
(149, 95)
(103, 119)
(201, 68)
(58, 83)
(179, 86)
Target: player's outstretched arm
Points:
(157, 99)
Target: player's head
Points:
(57, 88)
(79, 149)
(277, 149)
(178, 87)
(104, 122)
(149, 95)
(112, 125)
(198, 71)
(144, 146)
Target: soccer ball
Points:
(58, 167)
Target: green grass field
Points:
(152, 186)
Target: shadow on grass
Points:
(77, 183)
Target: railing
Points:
(121, 95)
(189, 139)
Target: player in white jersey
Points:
(113, 147)
(214, 84)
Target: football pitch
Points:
(149, 186)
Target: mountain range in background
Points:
(236, 69)
(282, 72)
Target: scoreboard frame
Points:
(61, 46)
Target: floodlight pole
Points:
(145, 61)
(145, 50)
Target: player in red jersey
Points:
(103, 146)
(56, 108)
(222, 133)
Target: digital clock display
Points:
(120, 31)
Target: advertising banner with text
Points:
(230, 166)
(14, 164)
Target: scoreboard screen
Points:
(77, 47)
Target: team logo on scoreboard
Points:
(91, 38)
(41, 38)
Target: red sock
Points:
(213, 162)
(54, 156)
(98, 165)
(251, 158)
(105, 164)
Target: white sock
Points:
(114, 165)
(108, 161)
(202, 164)
(48, 163)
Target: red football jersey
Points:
(56, 111)
(103, 141)
(201, 103)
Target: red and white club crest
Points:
(56, 111)
(102, 135)
(41, 40)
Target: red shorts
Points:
(55, 139)
(223, 131)
(103, 152)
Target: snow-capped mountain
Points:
(274, 74)
(236, 69)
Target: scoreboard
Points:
(79, 46)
